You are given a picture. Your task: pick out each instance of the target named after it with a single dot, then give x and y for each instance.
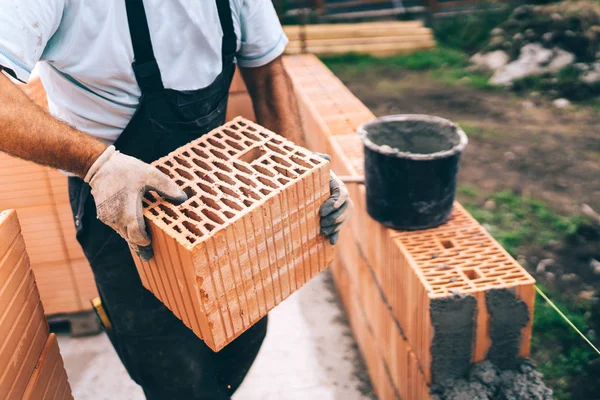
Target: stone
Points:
(542, 265)
(592, 75)
(595, 265)
(567, 278)
(556, 17)
(490, 205)
(550, 277)
(497, 32)
(561, 103)
(529, 33)
(560, 60)
(518, 37)
(548, 37)
(491, 61)
(586, 295)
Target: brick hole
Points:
(284, 172)
(275, 149)
(185, 174)
(301, 162)
(182, 161)
(154, 212)
(166, 220)
(177, 229)
(447, 244)
(231, 153)
(251, 136)
(222, 167)
(283, 181)
(192, 215)
(219, 155)
(264, 171)
(191, 239)
(209, 227)
(248, 143)
(224, 178)
(245, 180)
(218, 135)
(216, 143)
(288, 148)
(232, 135)
(211, 203)
(276, 141)
(264, 134)
(242, 168)
(234, 144)
(203, 145)
(200, 153)
(267, 182)
(471, 274)
(169, 211)
(249, 193)
(179, 182)
(165, 171)
(265, 191)
(232, 204)
(202, 164)
(228, 214)
(248, 203)
(150, 197)
(299, 171)
(214, 217)
(193, 229)
(252, 155)
(207, 189)
(228, 191)
(251, 128)
(280, 161)
(168, 163)
(189, 191)
(242, 123)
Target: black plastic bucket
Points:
(411, 167)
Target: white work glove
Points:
(336, 209)
(119, 183)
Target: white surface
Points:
(87, 51)
(308, 354)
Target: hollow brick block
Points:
(49, 379)
(247, 237)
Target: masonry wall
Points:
(30, 362)
(435, 298)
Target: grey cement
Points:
(309, 353)
(416, 137)
(508, 315)
(453, 320)
(486, 382)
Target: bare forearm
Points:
(274, 101)
(27, 132)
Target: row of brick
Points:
(30, 364)
(411, 269)
(248, 235)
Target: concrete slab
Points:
(309, 353)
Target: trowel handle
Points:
(352, 179)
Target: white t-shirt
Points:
(86, 54)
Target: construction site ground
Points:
(309, 353)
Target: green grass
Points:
(517, 221)
(473, 130)
(443, 64)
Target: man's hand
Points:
(119, 183)
(336, 209)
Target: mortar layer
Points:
(453, 320)
(508, 315)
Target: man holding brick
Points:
(128, 81)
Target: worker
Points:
(129, 81)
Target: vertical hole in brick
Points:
(231, 204)
(447, 244)
(249, 193)
(168, 163)
(193, 229)
(165, 171)
(264, 171)
(471, 274)
(245, 180)
(154, 212)
(234, 144)
(288, 148)
(168, 211)
(212, 216)
(250, 136)
(284, 171)
(216, 143)
(209, 227)
(275, 149)
(267, 182)
(228, 191)
(248, 203)
(232, 134)
(182, 161)
(206, 189)
(281, 161)
(218, 135)
(202, 165)
(210, 203)
(200, 153)
(189, 191)
(242, 168)
(248, 143)
(219, 155)
(205, 177)
(150, 197)
(283, 181)
(166, 220)
(228, 214)
(192, 215)
(191, 239)
(299, 171)
(265, 191)
(177, 229)
(224, 178)
(252, 155)
(184, 174)
(300, 162)
(222, 167)
(194, 204)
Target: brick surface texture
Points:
(247, 237)
(388, 278)
(24, 332)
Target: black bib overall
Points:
(160, 353)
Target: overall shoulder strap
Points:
(145, 67)
(229, 43)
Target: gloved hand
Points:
(119, 183)
(336, 209)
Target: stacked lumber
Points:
(30, 364)
(417, 301)
(248, 235)
(375, 38)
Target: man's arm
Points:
(274, 100)
(28, 132)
